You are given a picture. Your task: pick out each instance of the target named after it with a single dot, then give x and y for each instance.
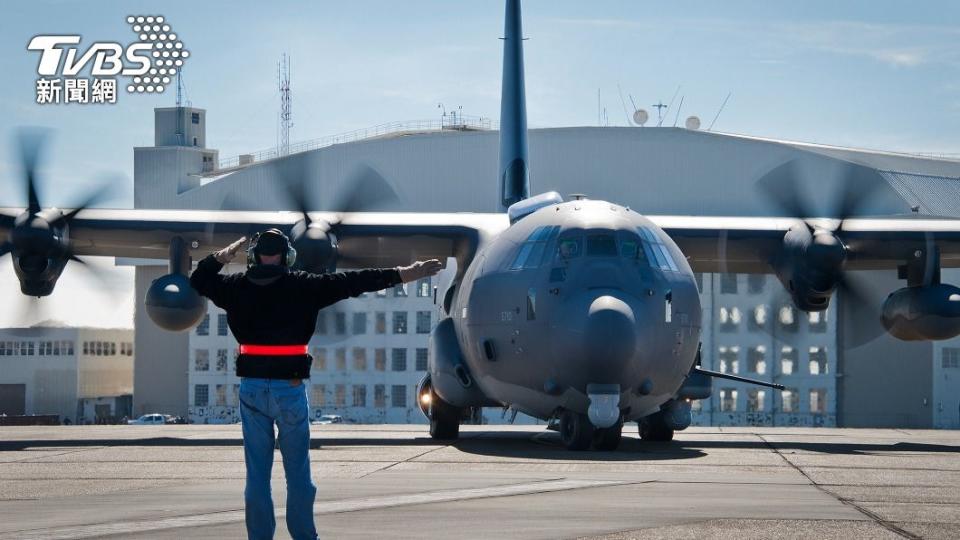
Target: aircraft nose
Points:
(610, 336)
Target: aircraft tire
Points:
(652, 428)
(444, 420)
(608, 439)
(576, 431)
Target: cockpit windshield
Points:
(601, 245)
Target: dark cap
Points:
(272, 242)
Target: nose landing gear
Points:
(444, 418)
(578, 433)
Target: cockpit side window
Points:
(532, 252)
(656, 252)
(570, 247)
(601, 245)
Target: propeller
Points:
(40, 236)
(824, 253)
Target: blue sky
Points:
(876, 74)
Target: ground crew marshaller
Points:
(272, 311)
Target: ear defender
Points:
(289, 256)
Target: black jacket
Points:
(271, 305)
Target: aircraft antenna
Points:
(286, 113)
(724, 104)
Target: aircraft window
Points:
(532, 251)
(629, 249)
(656, 251)
(601, 245)
(569, 248)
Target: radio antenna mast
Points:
(286, 114)
(724, 104)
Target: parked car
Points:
(149, 420)
(328, 419)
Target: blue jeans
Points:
(264, 402)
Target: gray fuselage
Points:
(575, 294)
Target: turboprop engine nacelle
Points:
(930, 312)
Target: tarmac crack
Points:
(876, 518)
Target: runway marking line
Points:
(336, 507)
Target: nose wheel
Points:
(654, 428)
(608, 439)
(444, 419)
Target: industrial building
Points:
(368, 350)
(81, 375)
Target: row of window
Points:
(757, 400)
(318, 395)
(63, 348)
(950, 357)
(729, 319)
(646, 248)
(728, 360)
(336, 322)
(398, 359)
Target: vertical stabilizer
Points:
(514, 179)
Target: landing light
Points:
(425, 398)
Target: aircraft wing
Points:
(366, 239)
(748, 244)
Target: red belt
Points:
(273, 350)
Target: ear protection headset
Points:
(289, 253)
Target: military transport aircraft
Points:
(583, 312)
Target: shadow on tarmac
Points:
(536, 445)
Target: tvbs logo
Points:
(147, 65)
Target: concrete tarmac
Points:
(495, 482)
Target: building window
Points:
(398, 360)
(757, 359)
(423, 288)
(818, 321)
(787, 317)
(221, 395)
(730, 319)
(758, 319)
(340, 395)
(382, 293)
(698, 277)
(729, 359)
(380, 359)
(194, 118)
(950, 357)
(319, 359)
(399, 322)
(359, 359)
(113, 348)
(201, 360)
(379, 396)
(235, 395)
(756, 283)
(222, 324)
(203, 329)
(201, 395)
(756, 400)
(318, 395)
(340, 323)
(421, 359)
(728, 400)
(728, 283)
(818, 361)
(788, 360)
(400, 290)
(398, 396)
(380, 322)
(341, 358)
(221, 360)
(359, 323)
(791, 400)
(321, 326)
(818, 401)
(423, 322)
(359, 395)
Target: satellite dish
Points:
(692, 123)
(640, 117)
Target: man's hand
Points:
(419, 269)
(227, 254)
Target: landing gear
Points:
(444, 419)
(654, 428)
(608, 439)
(576, 431)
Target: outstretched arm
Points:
(331, 288)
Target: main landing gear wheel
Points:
(444, 419)
(654, 428)
(576, 431)
(608, 438)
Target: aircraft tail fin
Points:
(514, 175)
